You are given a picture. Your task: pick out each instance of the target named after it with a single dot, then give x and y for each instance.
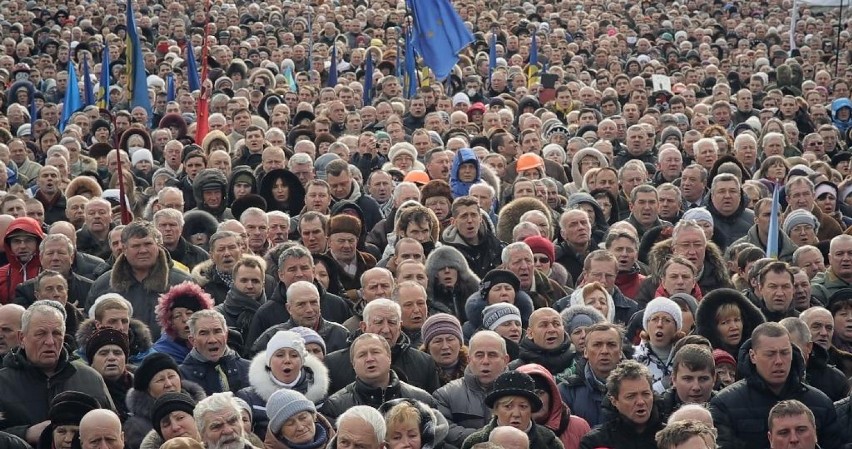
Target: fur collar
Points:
(203, 273)
(141, 404)
(318, 379)
(121, 278)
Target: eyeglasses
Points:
(541, 259)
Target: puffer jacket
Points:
(141, 406)
(359, 393)
(705, 317)
(462, 402)
(739, 411)
(584, 394)
(540, 437)
(476, 303)
(620, 433)
(177, 350)
(459, 187)
(825, 377)
(196, 368)
(554, 360)
(15, 273)
(313, 384)
(661, 370)
(567, 427)
(843, 408)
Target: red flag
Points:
(126, 216)
(202, 111)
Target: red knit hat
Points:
(721, 357)
(541, 245)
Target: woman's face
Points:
(514, 411)
(321, 274)
(166, 381)
(280, 191)
(63, 436)
(606, 205)
(776, 172)
(730, 328)
(300, 429)
(315, 350)
(285, 365)
(448, 277)
(578, 339)
(502, 292)
(444, 350)
(827, 203)
(597, 300)
(510, 330)
(178, 424)
(404, 436)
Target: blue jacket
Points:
(195, 369)
(836, 106)
(168, 345)
(460, 188)
(584, 395)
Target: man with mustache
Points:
(220, 424)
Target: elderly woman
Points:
(802, 227)
(157, 375)
(443, 341)
(171, 418)
(403, 156)
(294, 423)
(498, 286)
(412, 424)
(513, 401)
(66, 411)
(285, 364)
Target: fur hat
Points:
(344, 224)
(149, 368)
(69, 407)
(251, 200)
(198, 221)
(436, 187)
(446, 256)
(187, 294)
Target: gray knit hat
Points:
(497, 314)
(798, 217)
(671, 131)
(283, 405)
(698, 214)
(580, 316)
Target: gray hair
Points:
(380, 303)
(254, 211)
(294, 252)
(216, 402)
(683, 225)
(277, 213)
(513, 247)
(168, 189)
(173, 214)
(798, 329)
(842, 238)
(367, 414)
(43, 307)
(800, 251)
(206, 313)
(724, 177)
(302, 285)
(488, 335)
(299, 159)
(219, 235)
(56, 237)
(382, 270)
(706, 141)
(397, 191)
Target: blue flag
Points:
(72, 102)
(137, 81)
(103, 83)
(492, 56)
(439, 34)
(170, 87)
(368, 80)
(398, 66)
(772, 240)
(192, 68)
(532, 67)
(88, 89)
(410, 87)
(332, 71)
(291, 82)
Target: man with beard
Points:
(50, 194)
(219, 420)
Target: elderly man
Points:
(800, 196)
(809, 258)
(509, 437)
(83, 264)
(838, 276)
(772, 373)
(384, 317)
(56, 253)
(93, 237)
(820, 374)
(39, 369)
(295, 264)
(211, 363)
(375, 382)
(728, 207)
(343, 187)
(10, 326)
(170, 224)
(361, 426)
(304, 309)
(101, 429)
(518, 258)
(256, 223)
(219, 421)
(344, 234)
(821, 323)
(576, 241)
(50, 194)
(141, 273)
(546, 342)
(462, 401)
(375, 283)
(279, 227)
(792, 425)
(686, 434)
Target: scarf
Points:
(320, 439)
(227, 278)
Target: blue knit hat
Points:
(285, 404)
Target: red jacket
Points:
(15, 273)
(628, 282)
(567, 427)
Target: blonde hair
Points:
(400, 415)
(728, 310)
(591, 287)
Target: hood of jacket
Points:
(476, 303)
(839, 104)
(29, 226)
(215, 136)
(705, 316)
(578, 300)
(578, 157)
(584, 198)
(140, 335)
(165, 301)
(203, 181)
(510, 216)
(296, 200)
(314, 372)
(459, 187)
(559, 414)
(713, 259)
(244, 173)
(446, 256)
(141, 404)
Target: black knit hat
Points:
(149, 368)
(106, 336)
(170, 402)
(514, 383)
(251, 200)
(100, 123)
(497, 276)
(69, 407)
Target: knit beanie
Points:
(310, 336)
(496, 314)
(168, 403)
(662, 304)
(141, 154)
(799, 217)
(498, 276)
(721, 357)
(698, 214)
(106, 336)
(688, 300)
(578, 316)
(285, 339)
(283, 405)
(69, 407)
(344, 224)
(245, 406)
(149, 368)
(441, 324)
(671, 131)
(541, 245)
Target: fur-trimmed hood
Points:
(203, 273)
(121, 277)
(313, 369)
(433, 425)
(661, 252)
(198, 222)
(140, 335)
(296, 200)
(122, 142)
(705, 316)
(141, 404)
(214, 136)
(510, 216)
(245, 173)
(82, 184)
(184, 289)
(205, 178)
(575, 164)
(446, 256)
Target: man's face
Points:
(377, 284)
(792, 432)
(371, 361)
(381, 187)
(54, 288)
(355, 433)
(42, 341)
(210, 338)
(413, 304)
(691, 244)
(800, 196)
(304, 308)
(384, 322)
(225, 253)
(635, 400)
(821, 324)
(840, 259)
(141, 252)
(468, 221)
(110, 362)
(626, 252)
(772, 358)
(522, 264)
(107, 436)
(341, 185)
(170, 229)
(693, 387)
(10, 326)
(279, 229)
(212, 198)
(313, 235)
(97, 217)
(249, 281)
(343, 246)
(726, 197)
(576, 229)
(546, 330)
(23, 246)
(257, 228)
(48, 181)
(223, 429)
(645, 208)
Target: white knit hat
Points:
(285, 339)
(662, 304)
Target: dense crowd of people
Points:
(613, 225)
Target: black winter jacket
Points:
(620, 433)
(359, 393)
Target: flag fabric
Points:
(398, 66)
(439, 34)
(170, 87)
(492, 56)
(410, 86)
(191, 68)
(137, 81)
(103, 83)
(33, 108)
(772, 240)
(332, 71)
(532, 75)
(291, 82)
(126, 216)
(88, 89)
(202, 110)
(72, 102)
(368, 80)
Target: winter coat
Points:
(118, 390)
(462, 402)
(733, 226)
(740, 410)
(463, 156)
(178, 350)
(78, 288)
(141, 406)
(272, 442)
(836, 106)
(620, 433)
(554, 360)
(569, 258)
(841, 359)
(705, 317)
(313, 384)
(661, 370)
(188, 254)
(296, 200)
(14, 273)
(363, 262)
(467, 283)
(334, 335)
(88, 266)
(584, 394)
(140, 294)
(89, 244)
(195, 368)
(476, 303)
(205, 275)
(239, 310)
(825, 377)
(567, 427)
(359, 393)
(413, 366)
(237, 170)
(540, 437)
(825, 285)
(786, 247)
(630, 281)
(482, 257)
(139, 335)
(433, 426)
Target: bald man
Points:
(509, 438)
(10, 326)
(101, 429)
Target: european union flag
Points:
(332, 71)
(368, 80)
(772, 239)
(137, 81)
(410, 88)
(192, 68)
(71, 103)
(103, 83)
(439, 34)
(89, 90)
